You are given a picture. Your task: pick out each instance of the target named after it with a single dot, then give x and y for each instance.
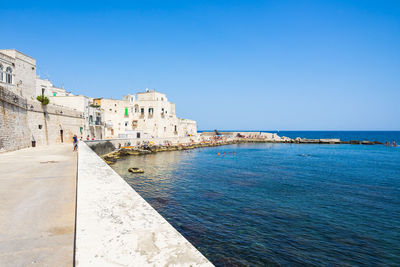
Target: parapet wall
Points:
(116, 226)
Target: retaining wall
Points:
(23, 121)
(14, 133)
(116, 226)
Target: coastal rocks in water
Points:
(367, 143)
(330, 141)
(135, 170)
(355, 142)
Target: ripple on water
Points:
(276, 205)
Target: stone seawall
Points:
(14, 133)
(23, 121)
(116, 226)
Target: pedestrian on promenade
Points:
(75, 138)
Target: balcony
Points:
(96, 123)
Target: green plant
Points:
(43, 99)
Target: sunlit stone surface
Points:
(115, 226)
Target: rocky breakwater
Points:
(299, 140)
(112, 157)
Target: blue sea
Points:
(279, 204)
(380, 136)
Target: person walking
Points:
(75, 138)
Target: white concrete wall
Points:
(115, 226)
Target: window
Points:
(151, 110)
(138, 135)
(126, 123)
(176, 128)
(54, 93)
(1, 73)
(126, 112)
(40, 126)
(136, 108)
(142, 111)
(43, 91)
(8, 75)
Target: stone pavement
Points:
(37, 206)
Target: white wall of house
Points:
(46, 88)
(150, 113)
(18, 73)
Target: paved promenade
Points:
(37, 206)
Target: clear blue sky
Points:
(287, 65)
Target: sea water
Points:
(278, 204)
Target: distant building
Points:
(150, 114)
(46, 88)
(94, 125)
(24, 121)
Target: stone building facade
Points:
(149, 115)
(45, 87)
(18, 73)
(22, 118)
(93, 123)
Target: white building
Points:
(24, 121)
(94, 126)
(17, 73)
(150, 114)
(46, 88)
